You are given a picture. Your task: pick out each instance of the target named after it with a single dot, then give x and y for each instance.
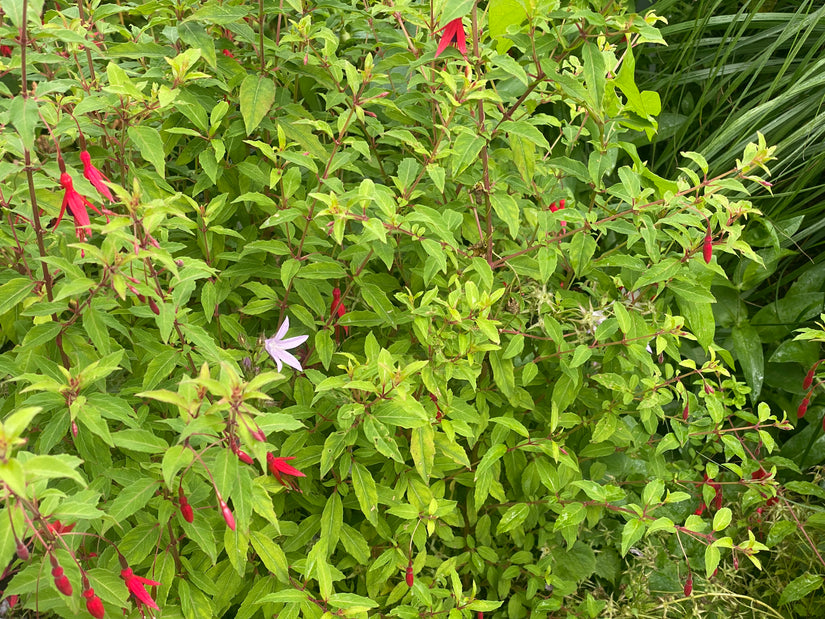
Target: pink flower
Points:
(453, 33)
(95, 176)
(77, 207)
(136, 586)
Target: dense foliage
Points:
(496, 378)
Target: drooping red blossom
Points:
(95, 176)
(560, 207)
(278, 466)
(5, 50)
(136, 586)
(77, 207)
(93, 604)
(228, 54)
(227, 514)
(22, 551)
(61, 581)
(803, 408)
(686, 411)
(700, 509)
(689, 585)
(410, 578)
(58, 528)
(339, 310)
(809, 378)
(453, 33)
(707, 248)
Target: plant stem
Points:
(27, 159)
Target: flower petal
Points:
(282, 329)
(290, 360)
(292, 342)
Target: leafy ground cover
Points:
(370, 310)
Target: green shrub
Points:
(494, 404)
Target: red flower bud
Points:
(708, 388)
(244, 457)
(700, 509)
(186, 512)
(686, 411)
(809, 378)
(22, 551)
(227, 514)
(410, 578)
(93, 604)
(62, 583)
(57, 571)
(803, 408)
(154, 306)
(707, 248)
(74, 428)
(689, 585)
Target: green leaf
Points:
(453, 9)
(799, 587)
(632, 532)
(365, 492)
(406, 413)
(507, 209)
(722, 519)
(139, 440)
(133, 497)
(256, 97)
(271, 554)
(150, 145)
(512, 518)
(422, 449)
(711, 559)
(23, 115)
(748, 349)
(50, 467)
(465, 150)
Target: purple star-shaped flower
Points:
(278, 347)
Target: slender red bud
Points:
(185, 508)
(803, 408)
(154, 306)
(244, 457)
(809, 378)
(410, 578)
(61, 581)
(227, 514)
(22, 551)
(74, 428)
(689, 584)
(686, 411)
(707, 247)
(93, 604)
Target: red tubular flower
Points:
(707, 248)
(689, 585)
(809, 378)
(700, 509)
(277, 466)
(686, 411)
(410, 578)
(453, 33)
(95, 176)
(58, 528)
(227, 514)
(77, 207)
(228, 54)
(560, 207)
(5, 50)
(339, 310)
(93, 604)
(22, 551)
(136, 586)
(803, 408)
